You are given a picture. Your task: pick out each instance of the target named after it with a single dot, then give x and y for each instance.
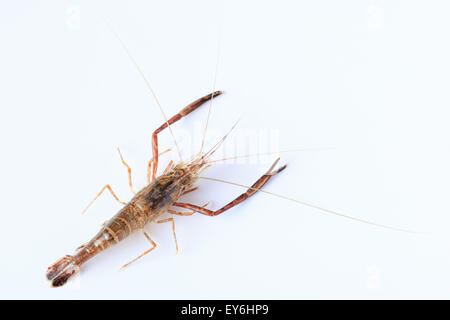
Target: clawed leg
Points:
(143, 254)
(129, 171)
(99, 194)
(194, 105)
(251, 191)
(173, 230)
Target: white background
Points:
(366, 83)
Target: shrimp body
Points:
(152, 201)
(146, 206)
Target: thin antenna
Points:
(312, 206)
(149, 87)
(267, 153)
(217, 145)
(213, 89)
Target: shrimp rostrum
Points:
(156, 198)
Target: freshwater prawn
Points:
(161, 194)
(150, 203)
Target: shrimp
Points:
(163, 192)
(150, 203)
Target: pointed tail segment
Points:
(62, 270)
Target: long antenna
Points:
(218, 144)
(148, 86)
(267, 153)
(213, 89)
(312, 206)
